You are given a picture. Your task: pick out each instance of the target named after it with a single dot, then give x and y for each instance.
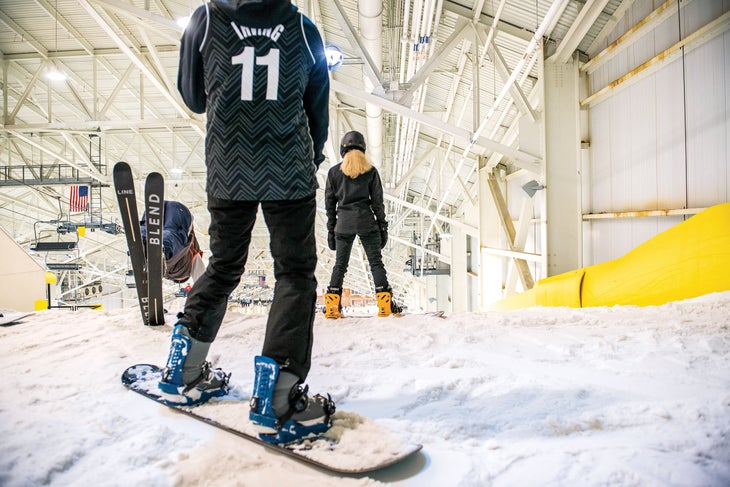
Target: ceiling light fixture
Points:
(183, 21)
(53, 73)
(334, 57)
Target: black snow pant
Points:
(343, 247)
(293, 247)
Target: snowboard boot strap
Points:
(215, 378)
(395, 309)
(296, 403)
(286, 386)
(299, 401)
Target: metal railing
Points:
(22, 175)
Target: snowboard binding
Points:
(299, 417)
(187, 356)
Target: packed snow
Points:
(619, 396)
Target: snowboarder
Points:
(353, 200)
(183, 257)
(258, 69)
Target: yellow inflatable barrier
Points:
(688, 260)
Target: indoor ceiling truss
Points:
(441, 87)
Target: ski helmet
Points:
(352, 140)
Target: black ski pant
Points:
(343, 247)
(293, 247)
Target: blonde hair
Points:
(355, 163)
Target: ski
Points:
(154, 190)
(127, 200)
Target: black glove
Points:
(383, 234)
(331, 240)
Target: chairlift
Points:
(129, 278)
(57, 248)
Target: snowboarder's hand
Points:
(331, 240)
(383, 234)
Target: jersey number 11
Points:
(248, 60)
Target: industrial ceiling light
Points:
(334, 57)
(53, 73)
(183, 21)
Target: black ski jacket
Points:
(354, 206)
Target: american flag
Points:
(79, 198)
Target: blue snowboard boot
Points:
(187, 379)
(281, 409)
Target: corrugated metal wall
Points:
(664, 141)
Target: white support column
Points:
(417, 296)
(436, 295)
(459, 278)
(491, 266)
(562, 236)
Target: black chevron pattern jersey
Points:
(258, 143)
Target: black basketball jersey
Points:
(258, 144)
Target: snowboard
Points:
(354, 444)
(9, 317)
(154, 199)
(436, 314)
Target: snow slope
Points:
(623, 396)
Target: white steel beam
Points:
(91, 173)
(577, 31)
(24, 35)
(135, 59)
(609, 25)
(460, 32)
(686, 45)
(369, 67)
(528, 160)
(645, 25)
